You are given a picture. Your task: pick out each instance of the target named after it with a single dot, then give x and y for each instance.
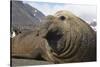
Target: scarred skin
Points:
(62, 38)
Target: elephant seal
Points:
(63, 37)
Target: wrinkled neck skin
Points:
(68, 39)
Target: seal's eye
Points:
(62, 18)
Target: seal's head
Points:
(67, 31)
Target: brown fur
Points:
(63, 37)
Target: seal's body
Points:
(63, 37)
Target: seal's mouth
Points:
(53, 36)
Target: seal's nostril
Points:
(62, 17)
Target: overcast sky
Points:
(86, 12)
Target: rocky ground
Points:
(27, 62)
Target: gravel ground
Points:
(27, 62)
